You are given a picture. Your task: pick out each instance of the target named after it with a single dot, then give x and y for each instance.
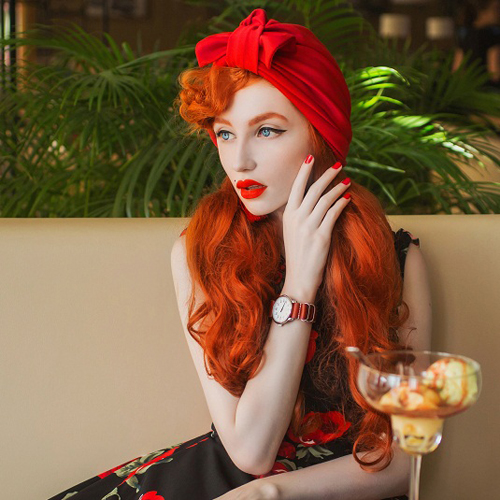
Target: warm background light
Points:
(439, 28)
(394, 25)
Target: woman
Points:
(288, 421)
(480, 35)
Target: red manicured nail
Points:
(337, 165)
(309, 158)
(346, 181)
(347, 196)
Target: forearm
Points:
(265, 407)
(343, 478)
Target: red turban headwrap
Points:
(291, 58)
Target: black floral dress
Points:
(201, 469)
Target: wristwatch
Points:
(285, 309)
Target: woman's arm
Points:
(252, 426)
(416, 332)
(338, 479)
(265, 408)
(343, 479)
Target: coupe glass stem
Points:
(416, 462)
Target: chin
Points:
(259, 213)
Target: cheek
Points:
(291, 154)
(288, 161)
(284, 180)
(224, 162)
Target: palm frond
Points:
(92, 132)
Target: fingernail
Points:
(346, 181)
(337, 165)
(347, 196)
(309, 158)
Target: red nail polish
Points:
(309, 158)
(337, 165)
(347, 196)
(346, 181)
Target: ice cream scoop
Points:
(453, 379)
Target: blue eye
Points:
(218, 134)
(272, 129)
(277, 131)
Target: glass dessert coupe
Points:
(418, 389)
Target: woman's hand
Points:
(307, 227)
(254, 490)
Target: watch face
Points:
(282, 309)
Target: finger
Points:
(318, 188)
(333, 214)
(299, 184)
(326, 201)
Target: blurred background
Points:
(162, 21)
(88, 128)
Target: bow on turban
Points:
(292, 59)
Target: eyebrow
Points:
(256, 119)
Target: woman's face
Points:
(255, 145)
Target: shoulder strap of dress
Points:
(402, 240)
(183, 231)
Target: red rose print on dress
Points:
(333, 426)
(311, 349)
(110, 471)
(287, 450)
(141, 465)
(151, 495)
(278, 468)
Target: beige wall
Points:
(95, 369)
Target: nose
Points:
(243, 159)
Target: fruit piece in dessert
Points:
(411, 397)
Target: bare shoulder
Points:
(183, 285)
(417, 294)
(179, 249)
(415, 262)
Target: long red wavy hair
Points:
(234, 262)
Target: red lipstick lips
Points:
(250, 188)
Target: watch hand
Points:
(282, 307)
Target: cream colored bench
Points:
(95, 369)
